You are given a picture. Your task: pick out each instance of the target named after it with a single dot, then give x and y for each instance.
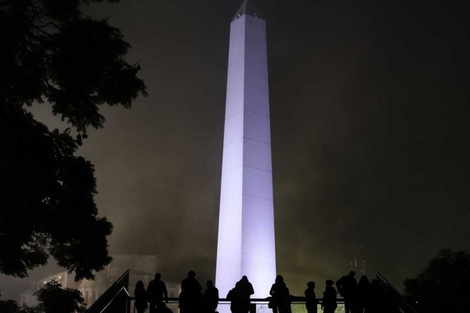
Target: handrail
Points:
(122, 284)
(294, 299)
(402, 304)
(111, 295)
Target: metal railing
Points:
(394, 296)
(117, 300)
(259, 305)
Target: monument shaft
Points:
(246, 243)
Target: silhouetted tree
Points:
(51, 54)
(55, 299)
(10, 306)
(444, 284)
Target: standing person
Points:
(141, 297)
(190, 296)
(157, 292)
(210, 298)
(279, 292)
(363, 294)
(347, 288)
(329, 304)
(311, 298)
(234, 307)
(243, 291)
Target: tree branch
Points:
(4, 3)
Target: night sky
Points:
(369, 124)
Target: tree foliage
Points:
(52, 298)
(54, 55)
(10, 306)
(444, 284)
(55, 299)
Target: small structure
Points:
(140, 267)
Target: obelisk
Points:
(246, 243)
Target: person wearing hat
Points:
(310, 298)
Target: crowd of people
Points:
(364, 296)
(359, 297)
(191, 298)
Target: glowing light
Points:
(246, 244)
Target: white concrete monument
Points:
(246, 244)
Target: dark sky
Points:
(370, 134)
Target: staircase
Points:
(114, 300)
(396, 301)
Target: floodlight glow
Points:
(246, 244)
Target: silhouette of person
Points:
(190, 296)
(243, 291)
(157, 292)
(279, 292)
(310, 298)
(363, 294)
(141, 297)
(329, 304)
(163, 308)
(234, 306)
(210, 297)
(347, 288)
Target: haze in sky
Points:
(369, 126)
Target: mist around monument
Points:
(373, 143)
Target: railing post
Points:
(252, 307)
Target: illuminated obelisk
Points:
(246, 244)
